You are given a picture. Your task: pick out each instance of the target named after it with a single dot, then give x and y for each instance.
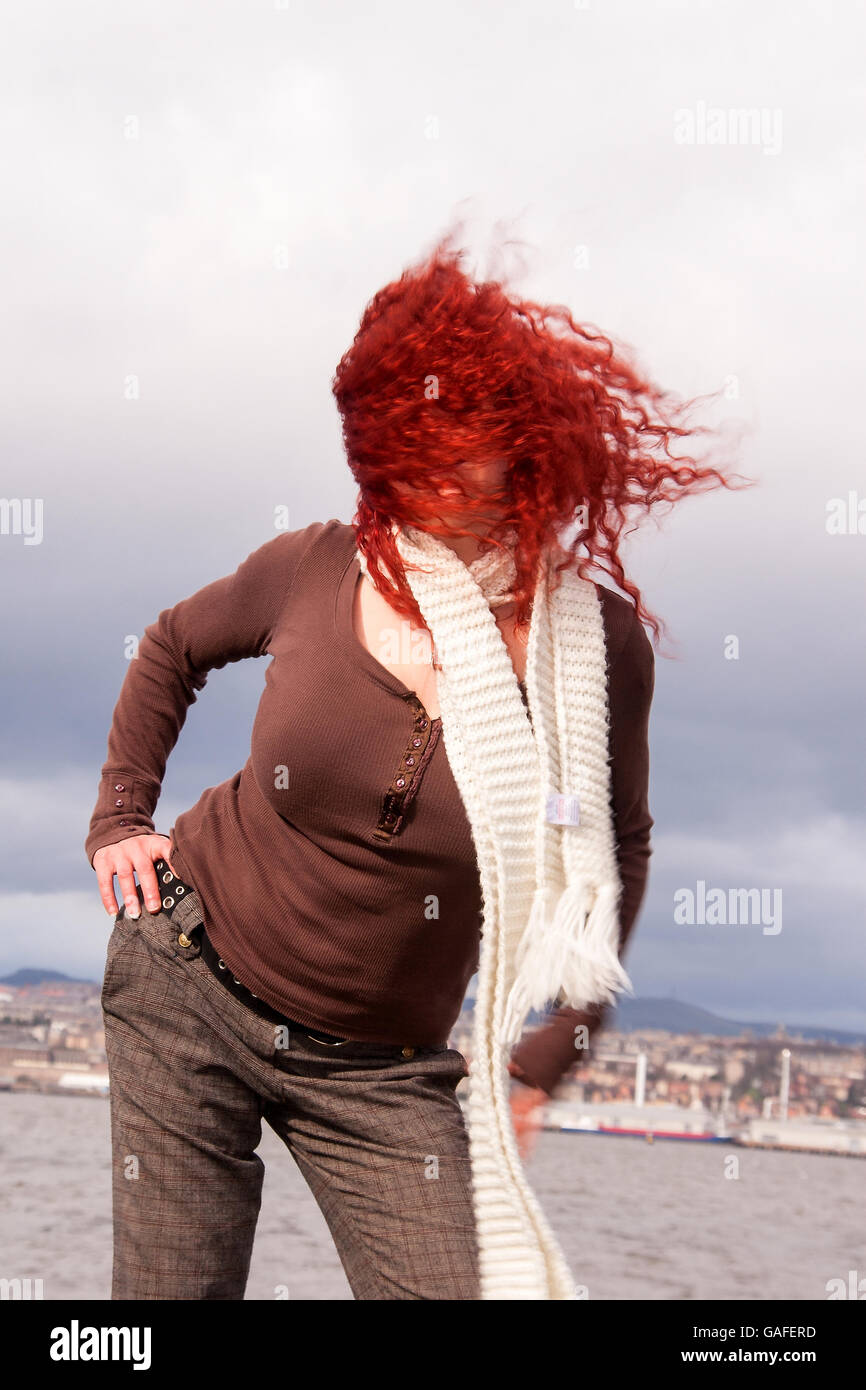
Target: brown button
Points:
(408, 1052)
(183, 940)
(122, 822)
(119, 802)
(119, 787)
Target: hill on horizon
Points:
(676, 1016)
(38, 976)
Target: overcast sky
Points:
(205, 196)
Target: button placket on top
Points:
(407, 779)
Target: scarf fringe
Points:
(574, 958)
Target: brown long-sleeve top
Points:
(336, 871)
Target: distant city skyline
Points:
(632, 1015)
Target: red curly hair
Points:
(444, 370)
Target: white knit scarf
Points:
(550, 891)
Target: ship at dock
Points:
(807, 1134)
(691, 1124)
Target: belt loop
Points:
(173, 892)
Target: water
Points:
(636, 1220)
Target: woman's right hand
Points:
(136, 853)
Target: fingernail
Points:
(153, 905)
(133, 913)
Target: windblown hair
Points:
(445, 370)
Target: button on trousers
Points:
(379, 1137)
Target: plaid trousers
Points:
(376, 1130)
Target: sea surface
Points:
(636, 1220)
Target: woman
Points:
(448, 774)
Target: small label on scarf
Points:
(563, 810)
